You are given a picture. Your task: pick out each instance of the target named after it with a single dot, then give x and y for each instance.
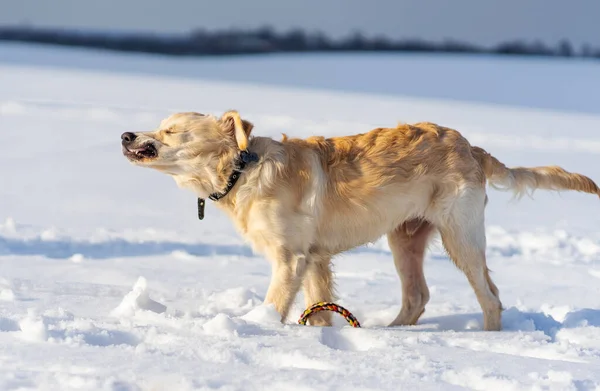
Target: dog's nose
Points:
(127, 137)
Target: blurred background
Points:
(508, 29)
(562, 27)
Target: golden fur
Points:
(307, 200)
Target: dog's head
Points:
(194, 148)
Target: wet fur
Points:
(307, 200)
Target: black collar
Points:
(244, 158)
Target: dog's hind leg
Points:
(318, 286)
(463, 236)
(408, 243)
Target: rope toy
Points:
(327, 306)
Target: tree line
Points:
(266, 40)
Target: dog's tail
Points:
(523, 180)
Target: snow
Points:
(108, 281)
(138, 299)
(480, 79)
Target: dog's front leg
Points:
(318, 286)
(288, 270)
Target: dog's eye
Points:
(168, 131)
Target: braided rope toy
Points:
(327, 306)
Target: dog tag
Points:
(201, 203)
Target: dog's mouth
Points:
(147, 151)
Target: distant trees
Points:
(266, 40)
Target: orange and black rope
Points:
(326, 306)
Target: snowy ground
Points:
(109, 282)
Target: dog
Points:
(299, 202)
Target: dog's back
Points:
(373, 182)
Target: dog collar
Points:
(244, 158)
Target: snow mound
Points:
(138, 299)
(33, 328)
(255, 322)
(351, 339)
(182, 255)
(264, 314)
(258, 322)
(9, 226)
(77, 258)
(221, 325)
(7, 295)
(233, 301)
(6, 292)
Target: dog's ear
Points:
(240, 128)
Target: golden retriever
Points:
(299, 202)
